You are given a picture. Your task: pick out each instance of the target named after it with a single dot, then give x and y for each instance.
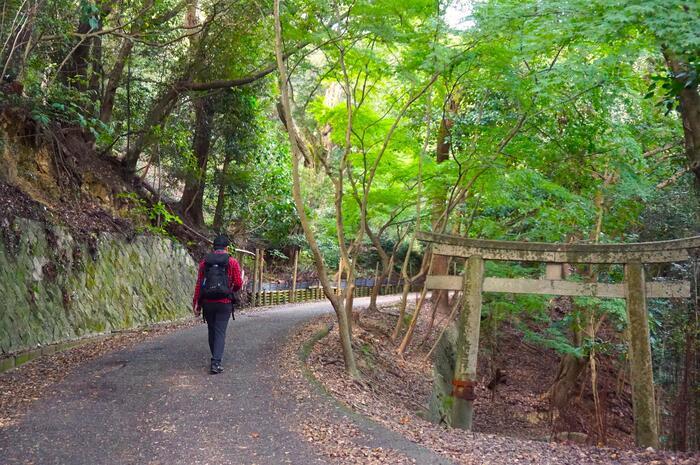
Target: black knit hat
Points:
(221, 242)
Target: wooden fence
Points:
(285, 296)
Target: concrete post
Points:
(467, 345)
(641, 374)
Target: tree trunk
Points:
(416, 313)
(386, 263)
(343, 327)
(96, 72)
(113, 80)
(442, 154)
(689, 108)
(74, 71)
(13, 57)
(374, 292)
(570, 368)
(294, 275)
(221, 199)
(350, 295)
(380, 279)
(682, 404)
(192, 201)
(408, 282)
(160, 110)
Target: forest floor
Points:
(514, 427)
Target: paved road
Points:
(157, 404)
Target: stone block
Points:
(49, 349)
(24, 357)
(7, 363)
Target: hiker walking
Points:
(218, 278)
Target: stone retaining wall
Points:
(55, 289)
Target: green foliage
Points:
(155, 218)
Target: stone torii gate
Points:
(635, 290)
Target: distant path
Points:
(157, 404)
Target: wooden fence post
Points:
(641, 374)
(262, 266)
(294, 276)
(253, 298)
(464, 379)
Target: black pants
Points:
(217, 315)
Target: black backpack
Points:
(215, 286)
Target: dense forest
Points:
(336, 130)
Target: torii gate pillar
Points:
(641, 374)
(464, 379)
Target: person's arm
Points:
(196, 307)
(234, 276)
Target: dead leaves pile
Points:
(395, 390)
(334, 437)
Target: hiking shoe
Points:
(216, 368)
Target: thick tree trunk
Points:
(570, 368)
(192, 201)
(74, 71)
(689, 108)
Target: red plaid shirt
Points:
(235, 281)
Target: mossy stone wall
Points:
(54, 288)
